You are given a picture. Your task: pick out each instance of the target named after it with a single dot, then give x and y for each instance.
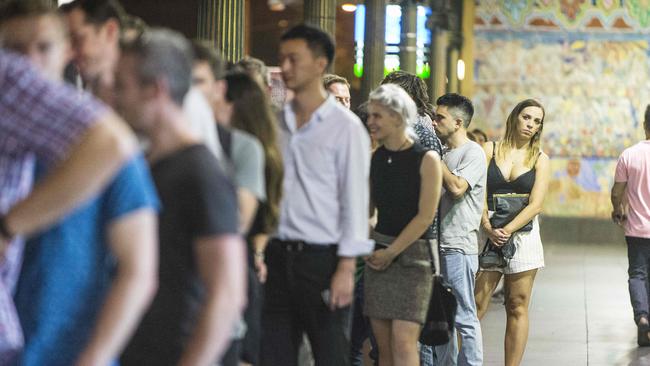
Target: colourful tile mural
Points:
(588, 62)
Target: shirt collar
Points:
(319, 114)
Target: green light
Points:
(358, 70)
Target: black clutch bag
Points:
(506, 207)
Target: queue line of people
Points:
(155, 260)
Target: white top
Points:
(325, 186)
(198, 111)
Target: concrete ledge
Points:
(580, 230)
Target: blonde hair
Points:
(396, 100)
(508, 143)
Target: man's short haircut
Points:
(97, 12)
(330, 79)
(646, 118)
(26, 8)
(163, 53)
(319, 42)
(204, 52)
(459, 107)
(254, 66)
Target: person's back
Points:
(68, 270)
(631, 209)
(634, 168)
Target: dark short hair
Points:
(646, 118)
(329, 79)
(26, 8)
(97, 12)
(204, 52)
(459, 106)
(319, 42)
(163, 53)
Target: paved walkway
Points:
(580, 311)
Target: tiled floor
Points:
(580, 312)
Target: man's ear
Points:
(220, 89)
(68, 53)
(112, 29)
(322, 63)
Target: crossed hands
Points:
(498, 236)
(381, 259)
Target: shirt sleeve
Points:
(41, 116)
(621, 169)
(354, 168)
(248, 160)
(472, 166)
(211, 199)
(131, 190)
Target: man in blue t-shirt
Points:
(86, 281)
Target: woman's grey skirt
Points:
(401, 291)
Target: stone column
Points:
(221, 22)
(455, 44)
(438, 22)
(374, 46)
(408, 41)
(321, 13)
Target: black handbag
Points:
(439, 326)
(506, 207)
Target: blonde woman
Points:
(516, 164)
(406, 181)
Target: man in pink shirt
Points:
(631, 202)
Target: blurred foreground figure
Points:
(202, 282)
(71, 306)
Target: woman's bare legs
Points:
(404, 339)
(518, 288)
(381, 328)
(486, 282)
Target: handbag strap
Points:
(434, 258)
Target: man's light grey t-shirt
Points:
(460, 218)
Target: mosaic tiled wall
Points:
(588, 62)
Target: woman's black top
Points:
(395, 181)
(497, 183)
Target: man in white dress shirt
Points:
(324, 213)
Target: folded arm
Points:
(102, 150)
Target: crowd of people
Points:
(158, 209)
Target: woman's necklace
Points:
(390, 157)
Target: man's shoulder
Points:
(639, 147)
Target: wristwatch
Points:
(4, 230)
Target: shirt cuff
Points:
(355, 247)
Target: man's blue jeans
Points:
(638, 255)
(459, 271)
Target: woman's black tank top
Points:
(395, 180)
(497, 183)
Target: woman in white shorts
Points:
(516, 164)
